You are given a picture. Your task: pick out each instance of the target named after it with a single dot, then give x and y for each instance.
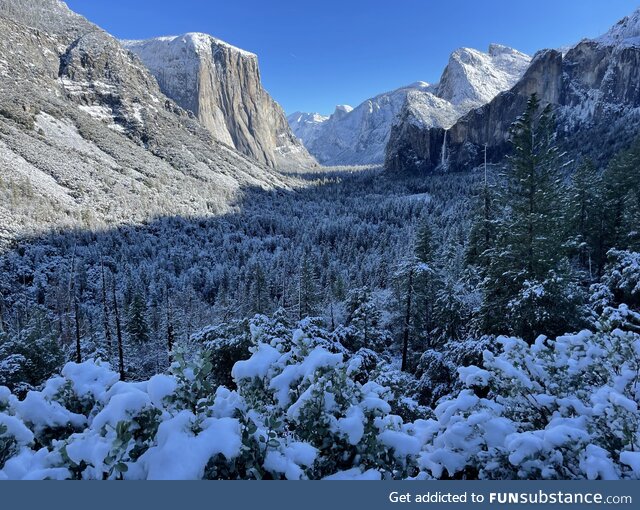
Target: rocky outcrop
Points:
(593, 89)
(85, 128)
(361, 135)
(221, 85)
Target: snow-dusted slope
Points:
(221, 85)
(88, 139)
(470, 79)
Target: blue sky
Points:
(316, 54)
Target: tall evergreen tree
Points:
(528, 288)
(424, 287)
(137, 326)
(307, 289)
(366, 318)
(259, 290)
(584, 216)
(483, 232)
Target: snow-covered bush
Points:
(617, 296)
(297, 413)
(437, 370)
(303, 406)
(557, 409)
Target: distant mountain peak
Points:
(356, 136)
(344, 108)
(472, 76)
(198, 41)
(592, 87)
(221, 85)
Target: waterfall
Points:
(443, 157)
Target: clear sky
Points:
(316, 54)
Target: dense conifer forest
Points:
(384, 297)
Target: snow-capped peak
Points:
(472, 76)
(626, 32)
(344, 108)
(199, 42)
(302, 117)
(419, 85)
(359, 136)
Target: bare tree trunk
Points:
(76, 313)
(170, 333)
(118, 333)
(105, 311)
(407, 322)
(73, 297)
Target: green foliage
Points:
(8, 445)
(31, 356)
(529, 287)
(224, 346)
(137, 327)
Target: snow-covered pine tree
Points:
(137, 326)
(584, 217)
(482, 235)
(307, 289)
(529, 288)
(425, 286)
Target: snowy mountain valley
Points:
(186, 294)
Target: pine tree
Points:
(528, 289)
(483, 233)
(366, 319)
(259, 290)
(424, 287)
(424, 242)
(307, 289)
(137, 326)
(415, 287)
(583, 215)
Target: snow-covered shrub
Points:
(616, 298)
(27, 359)
(564, 408)
(437, 370)
(297, 413)
(304, 407)
(306, 381)
(621, 280)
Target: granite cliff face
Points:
(221, 85)
(593, 89)
(360, 135)
(88, 139)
